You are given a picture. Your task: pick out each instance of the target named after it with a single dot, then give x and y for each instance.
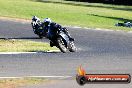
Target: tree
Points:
(120, 2)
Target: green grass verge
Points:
(14, 83)
(69, 13)
(23, 46)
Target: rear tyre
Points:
(40, 36)
(61, 45)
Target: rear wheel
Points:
(40, 36)
(61, 45)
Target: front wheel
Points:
(72, 47)
(61, 45)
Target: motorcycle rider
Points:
(36, 23)
(52, 28)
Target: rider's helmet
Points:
(47, 21)
(35, 18)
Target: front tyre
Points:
(61, 45)
(72, 47)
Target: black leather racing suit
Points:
(54, 28)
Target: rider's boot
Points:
(51, 44)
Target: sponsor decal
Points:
(83, 78)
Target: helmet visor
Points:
(46, 23)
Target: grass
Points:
(69, 13)
(23, 46)
(14, 83)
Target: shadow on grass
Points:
(81, 4)
(115, 18)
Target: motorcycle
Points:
(62, 41)
(38, 29)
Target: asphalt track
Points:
(98, 52)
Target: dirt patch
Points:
(5, 85)
(14, 83)
(15, 19)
